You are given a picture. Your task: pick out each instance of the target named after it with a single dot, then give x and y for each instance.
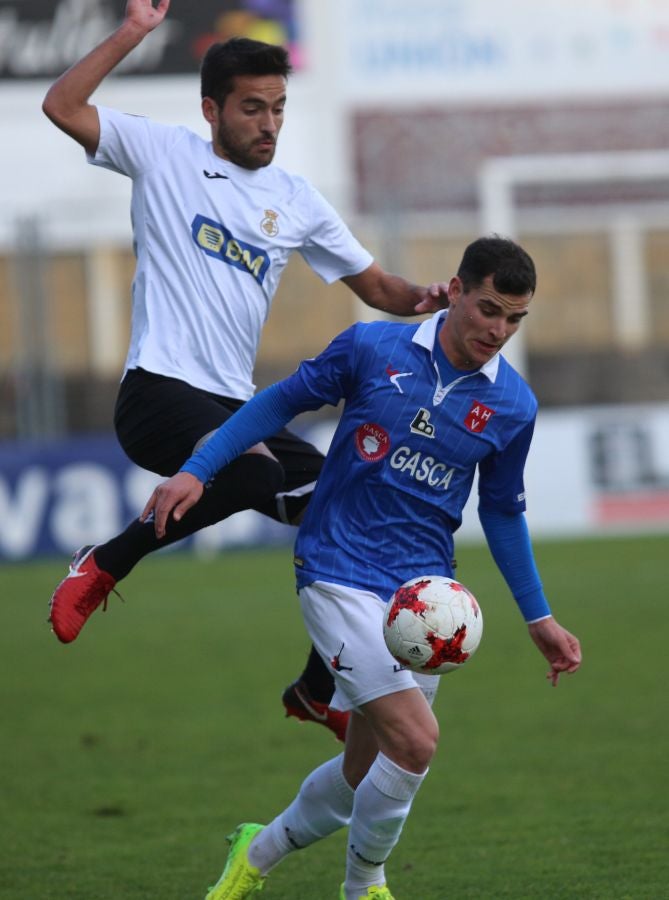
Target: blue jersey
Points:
(403, 457)
(402, 461)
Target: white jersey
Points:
(211, 241)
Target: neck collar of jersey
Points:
(426, 335)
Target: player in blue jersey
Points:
(214, 224)
(425, 407)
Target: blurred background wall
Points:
(425, 124)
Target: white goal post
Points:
(499, 177)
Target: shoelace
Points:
(91, 603)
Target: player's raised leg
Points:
(95, 570)
(78, 595)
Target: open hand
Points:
(144, 14)
(561, 649)
(173, 497)
(435, 298)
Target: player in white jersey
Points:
(426, 406)
(214, 223)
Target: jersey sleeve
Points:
(262, 416)
(511, 548)
(131, 144)
(328, 377)
(330, 249)
(501, 484)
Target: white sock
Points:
(382, 802)
(323, 804)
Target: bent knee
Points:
(264, 476)
(420, 753)
(253, 477)
(414, 750)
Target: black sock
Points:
(318, 678)
(249, 481)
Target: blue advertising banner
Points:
(56, 496)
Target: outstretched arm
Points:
(510, 545)
(263, 415)
(317, 382)
(66, 102)
(394, 294)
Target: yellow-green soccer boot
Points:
(240, 879)
(375, 892)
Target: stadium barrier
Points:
(591, 470)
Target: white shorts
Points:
(345, 625)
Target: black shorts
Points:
(159, 420)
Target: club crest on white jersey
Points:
(269, 225)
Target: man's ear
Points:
(455, 290)
(209, 109)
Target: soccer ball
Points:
(433, 624)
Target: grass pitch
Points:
(127, 756)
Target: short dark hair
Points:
(511, 267)
(239, 56)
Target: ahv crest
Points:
(478, 416)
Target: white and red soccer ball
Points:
(432, 625)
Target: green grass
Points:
(128, 755)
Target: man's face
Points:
(479, 322)
(245, 129)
